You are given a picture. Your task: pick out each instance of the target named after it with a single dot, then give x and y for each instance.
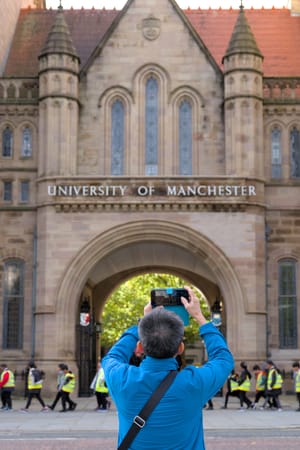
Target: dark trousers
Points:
(37, 395)
(230, 394)
(298, 398)
(101, 399)
(55, 401)
(273, 397)
(65, 398)
(6, 398)
(244, 399)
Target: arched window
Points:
(185, 138)
(7, 143)
(287, 304)
(117, 138)
(13, 304)
(276, 152)
(151, 127)
(26, 151)
(295, 152)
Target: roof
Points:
(242, 39)
(276, 32)
(214, 27)
(59, 39)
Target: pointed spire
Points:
(242, 39)
(59, 39)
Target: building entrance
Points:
(139, 248)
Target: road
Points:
(215, 440)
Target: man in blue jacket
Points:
(176, 422)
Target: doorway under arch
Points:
(141, 247)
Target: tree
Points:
(127, 303)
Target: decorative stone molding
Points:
(150, 207)
(151, 28)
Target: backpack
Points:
(37, 376)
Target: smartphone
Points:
(170, 298)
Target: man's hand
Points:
(193, 307)
(147, 309)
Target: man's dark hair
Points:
(296, 364)
(256, 367)
(161, 333)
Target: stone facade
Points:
(79, 240)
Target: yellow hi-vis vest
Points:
(278, 381)
(100, 384)
(11, 379)
(260, 382)
(70, 386)
(31, 384)
(297, 381)
(234, 385)
(245, 386)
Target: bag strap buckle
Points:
(139, 421)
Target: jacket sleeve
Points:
(220, 362)
(5, 380)
(117, 359)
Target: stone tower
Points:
(58, 95)
(243, 107)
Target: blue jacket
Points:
(176, 422)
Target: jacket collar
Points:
(159, 365)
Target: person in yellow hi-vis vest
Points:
(100, 389)
(296, 370)
(274, 385)
(7, 385)
(244, 386)
(34, 386)
(260, 385)
(67, 388)
(232, 388)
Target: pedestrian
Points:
(232, 388)
(274, 385)
(296, 370)
(209, 406)
(34, 386)
(7, 385)
(260, 385)
(60, 381)
(100, 388)
(67, 388)
(244, 383)
(176, 421)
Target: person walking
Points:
(34, 386)
(260, 385)
(60, 382)
(232, 388)
(296, 370)
(67, 388)
(7, 385)
(274, 385)
(100, 389)
(244, 383)
(176, 421)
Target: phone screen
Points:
(170, 298)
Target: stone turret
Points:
(58, 95)
(243, 79)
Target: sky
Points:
(118, 4)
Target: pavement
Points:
(85, 419)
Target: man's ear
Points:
(139, 348)
(180, 348)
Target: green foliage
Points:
(127, 302)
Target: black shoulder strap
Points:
(140, 420)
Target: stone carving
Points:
(151, 28)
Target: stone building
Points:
(148, 139)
